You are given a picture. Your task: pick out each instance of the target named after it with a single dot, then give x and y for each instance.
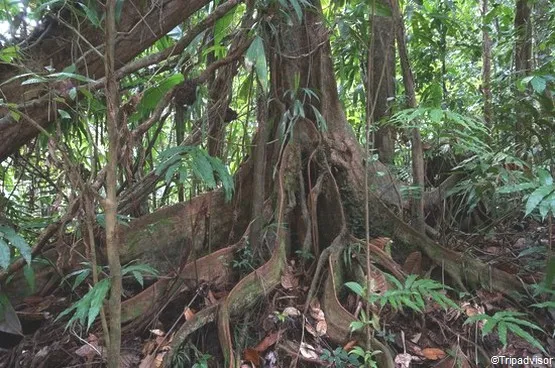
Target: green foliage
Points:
(179, 160)
(411, 294)
(364, 321)
(202, 361)
(505, 321)
(154, 94)
(190, 356)
(444, 127)
(86, 309)
(368, 357)
(256, 56)
(339, 358)
(484, 174)
(244, 259)
(538, 192)
(8, 236)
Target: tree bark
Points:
(523, 41)
(523, 54)
(486, 66)
(416, 146)
(383, 83)
(110, 203)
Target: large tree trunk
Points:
(382, 83)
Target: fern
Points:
(411, 294)
(506, 321)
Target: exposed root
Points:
(213, 268)
(339, 319)
(245, 293)
(200, 320)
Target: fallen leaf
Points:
(416, 338)
(413, 263)
(314, 304)
(403, 360)
(433, 353)
(308, 351)
(188, 313)
(349, 345)
(88, 351)
(157, 332)
(148, 361)
(289, 281)
(159, 359)
(311, 330)
(380, 242)
(270, 360)
(291, 312)
(321, 328)
(129, 360)
(317, 314)
(252, 356)
(268, 341)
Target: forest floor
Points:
(281, 332)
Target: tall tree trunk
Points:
(110, 203)
(523, 41)
(523, 53)
(382, 83)
(486, 66)
(416, 146)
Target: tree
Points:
(307, 174)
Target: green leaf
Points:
(5, 254)
(523, 322)
(256, 56)
(546, 204)
(153, 95)
(409, 303)
(91, 14)
(98, 295)
(64, 114)
(549, 304)
(526, 336)
(544, 177)
(356, 288)
(17, 241)
(536, 197)
(515, 188)
(436, 115)
(8, 54)
(538, 84)
(29, 274)
(502, 332)
(410, 280)
(489, 326)
(356, 325)
(67, 75)
(139, 277)
(83, 274)
(221, 27)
